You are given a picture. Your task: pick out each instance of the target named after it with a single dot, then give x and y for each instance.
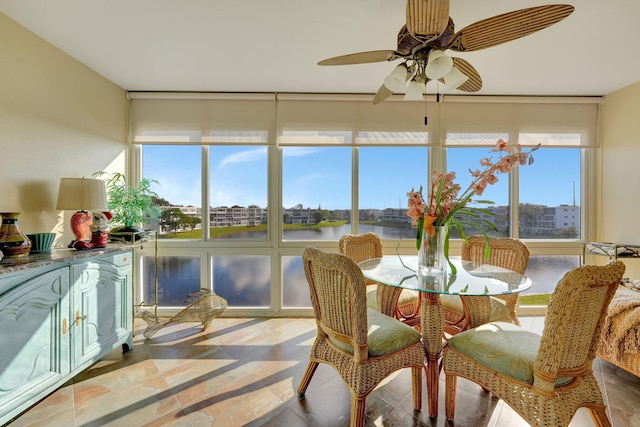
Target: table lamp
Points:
(81, 195)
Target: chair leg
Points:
(599, 416)
(416, 386)
(450, 396)
(358, 405)
(306, 379)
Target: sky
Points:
(321, 176)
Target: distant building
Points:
(224, 216)
(299, 215)
(534, 219)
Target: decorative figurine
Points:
(99, 232)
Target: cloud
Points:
(249, 156)
(299, 151)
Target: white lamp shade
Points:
(438, 65)
(82, 194)
(396, 80)
(454, 78)
(414, 91)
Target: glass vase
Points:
(13, 242)
(431, 257)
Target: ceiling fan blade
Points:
(360, 58)
(427, 19)
(508, 26)
(382, 94)
(474, 82)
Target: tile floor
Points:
(244, 372)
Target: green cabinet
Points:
(102, 307)
(34, 355)
(57, 319)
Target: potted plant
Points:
(130, 206)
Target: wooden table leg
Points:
(432, 325)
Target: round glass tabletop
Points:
(471, 278)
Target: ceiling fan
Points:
(429, 32)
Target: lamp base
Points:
(81, 226)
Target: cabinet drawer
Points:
(121, 259)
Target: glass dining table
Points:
(471, 279)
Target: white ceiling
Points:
(274, 45)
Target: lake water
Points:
(330, 233)
(181, 275)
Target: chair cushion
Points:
(385, 335)
(499, 310)
(372, 301)
(502, 347)
(407, 296)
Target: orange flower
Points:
(428, 225)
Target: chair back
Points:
(504, 252)
(359, 247)
(573, 323)
(338, 296)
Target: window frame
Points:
(277, 248)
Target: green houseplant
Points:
(131, 206)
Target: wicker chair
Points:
(363, 345)
(359, 247)
(544, 378)
(462, 313)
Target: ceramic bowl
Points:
(41, 242)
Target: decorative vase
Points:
(41, 242)
(13, 242)
(431, 257)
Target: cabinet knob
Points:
(79, 318)
(64, 326)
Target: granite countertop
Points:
(57, 255)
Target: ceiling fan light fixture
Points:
(414, 91)
(396, 80)
(455, 78)
(438, 64)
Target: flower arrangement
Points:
(447, 205)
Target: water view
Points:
(245, 280)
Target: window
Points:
(243, 280)
(316, 192)
(550, 189)
(386, 175)
(238, 192)
(267, 175)
(177, 277)
(295, 290)
(177, 171)
(465, 156)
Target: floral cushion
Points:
(502, 347)
(499, 310)
(385, 335)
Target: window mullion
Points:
(206, 215)
(355, 209)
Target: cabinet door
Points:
(34, 338)
(102, 307)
